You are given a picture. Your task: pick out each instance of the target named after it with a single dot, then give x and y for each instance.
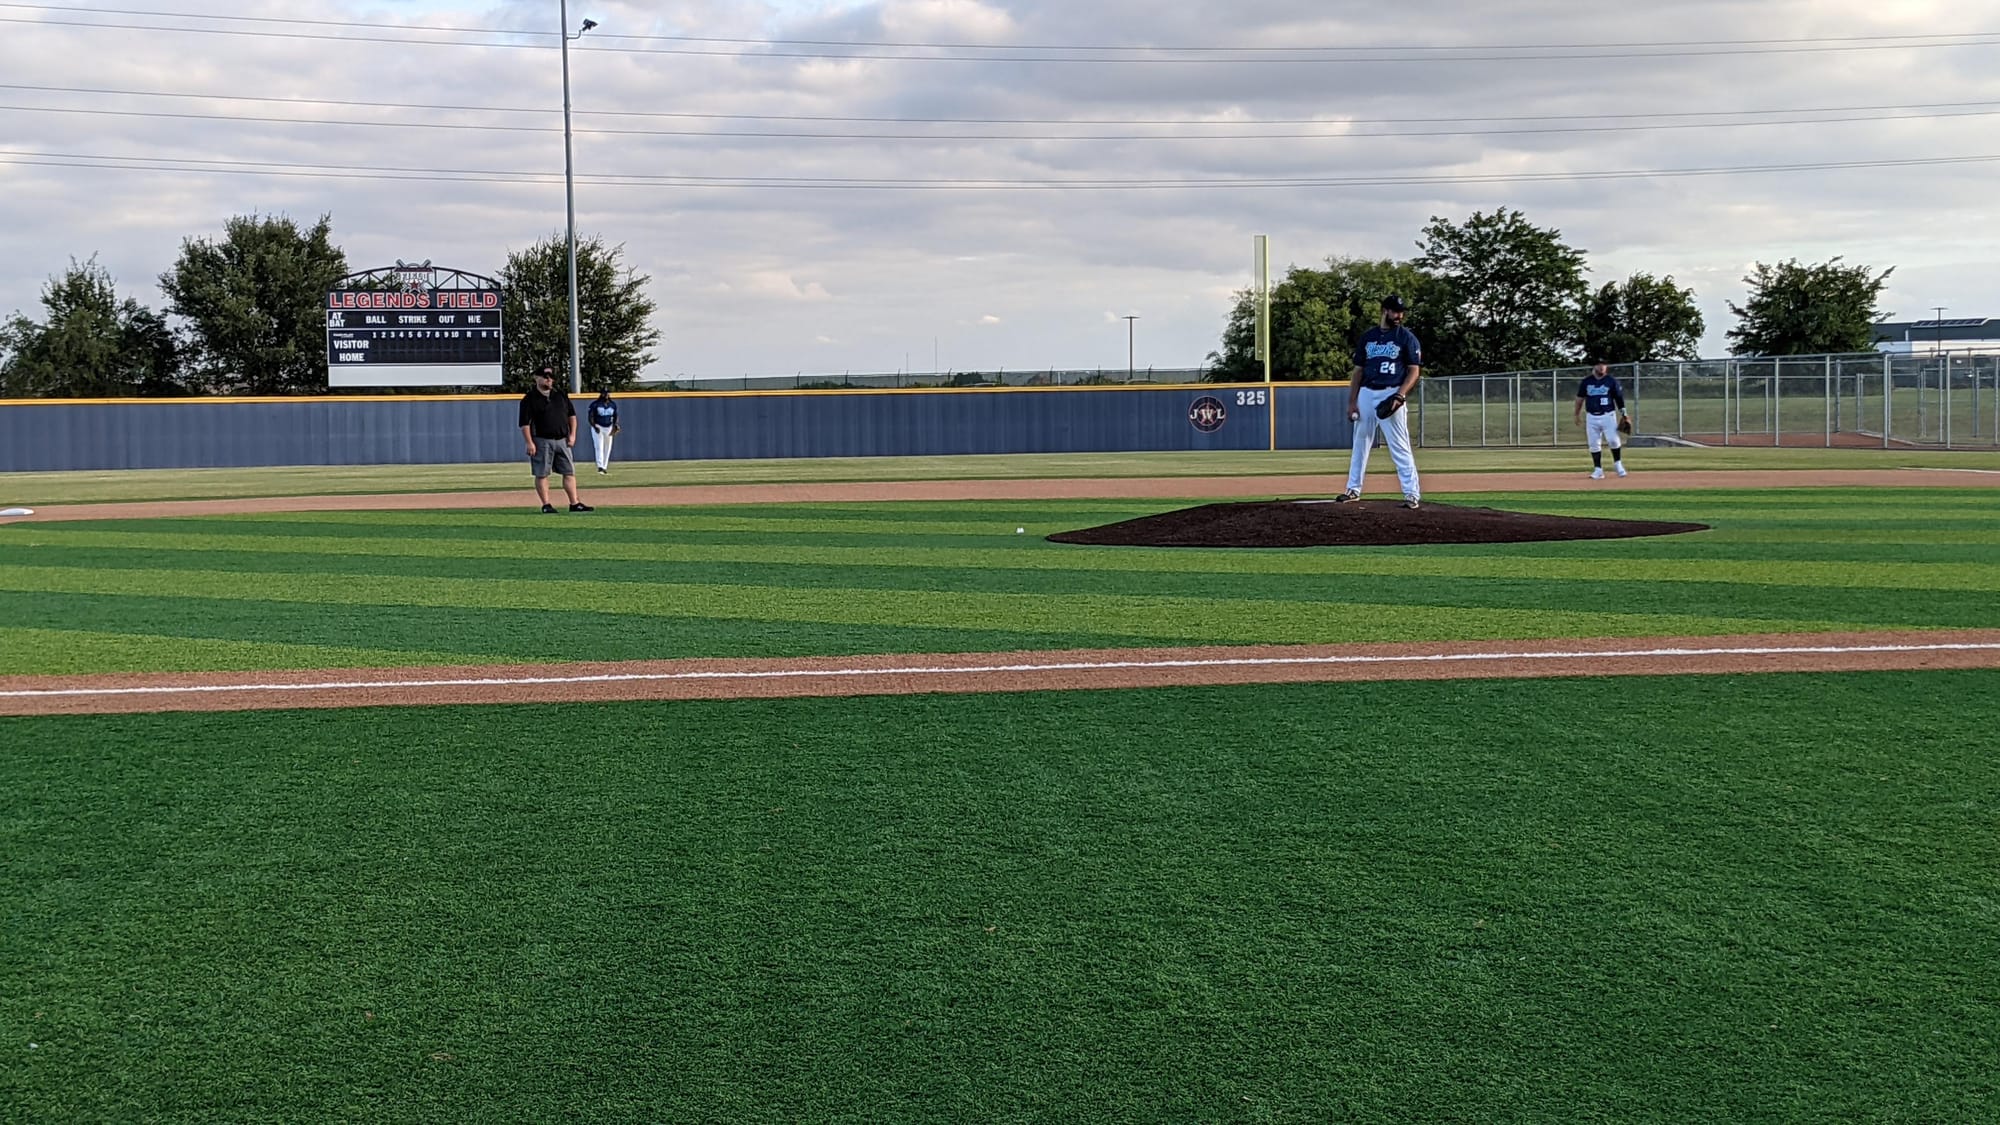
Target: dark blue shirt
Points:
(1600, 394)
(604, 414)
(1385, 356)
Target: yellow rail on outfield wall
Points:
(511, 395)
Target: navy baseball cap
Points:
(1394, 303)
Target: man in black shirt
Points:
(548, 424)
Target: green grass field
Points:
(1750, 899)
(181, 484)
(408, 588)
(1763, 898)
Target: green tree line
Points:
(1492, 293)
(245, 314)
(1498, 293)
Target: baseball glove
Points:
(1389, 406)
(1624, 423)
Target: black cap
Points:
(1393, 303)
(546, 371)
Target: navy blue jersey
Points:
(1601, 393)
(1385, 356)
(603, 414)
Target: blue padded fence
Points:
(413, 430)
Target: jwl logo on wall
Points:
(1207, 414)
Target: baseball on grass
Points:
(1020, 531)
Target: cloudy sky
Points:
(826, 186)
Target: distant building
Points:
(1952, 334)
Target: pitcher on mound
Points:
(1387, 363)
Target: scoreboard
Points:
(413, 338)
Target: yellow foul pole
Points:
(1261, 272)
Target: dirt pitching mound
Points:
(1363, 523)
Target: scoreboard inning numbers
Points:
(413, 337)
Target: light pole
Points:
(1128, 347)
(1938, 347)
(569, 191)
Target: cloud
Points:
(793, 210)
(776, 285)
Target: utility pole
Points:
(1128, 347)
(569, 192)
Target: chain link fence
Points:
(1946, 400)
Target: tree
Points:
(1645, 318)
(1316, 316)
(1806, 310)
(92, 345)
(615, 322)
(1513, 294)
(254, 304)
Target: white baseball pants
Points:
(1601, 430)
(601, 442)
(1395, 434)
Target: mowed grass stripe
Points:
(1799, 507)
(450, 635)
(1602, 589)
(1482, 562)
(474, 634)
(50, 651)
(1221, 619)
(1370, 902)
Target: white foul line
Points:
(988, 669)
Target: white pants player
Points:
(601, 443)
(1601, 430)
(1395, 434)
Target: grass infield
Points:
(33, 488)
(1684, 899)
(459, 587)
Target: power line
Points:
(460, 175)
(1138, 55)
(940, 138)
(1079, 121)
(1921, 39)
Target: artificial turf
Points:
(419, 588)
(1765, 898)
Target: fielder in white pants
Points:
(600, 437)
(1600, 394)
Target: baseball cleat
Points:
(548, 509)
(1597, 474)
(1345, 497)
(1411, 503)
(580, 506)
(1621, 468)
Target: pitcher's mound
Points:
(1363, 523)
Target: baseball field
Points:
(816, 792)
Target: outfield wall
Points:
(70, 434)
